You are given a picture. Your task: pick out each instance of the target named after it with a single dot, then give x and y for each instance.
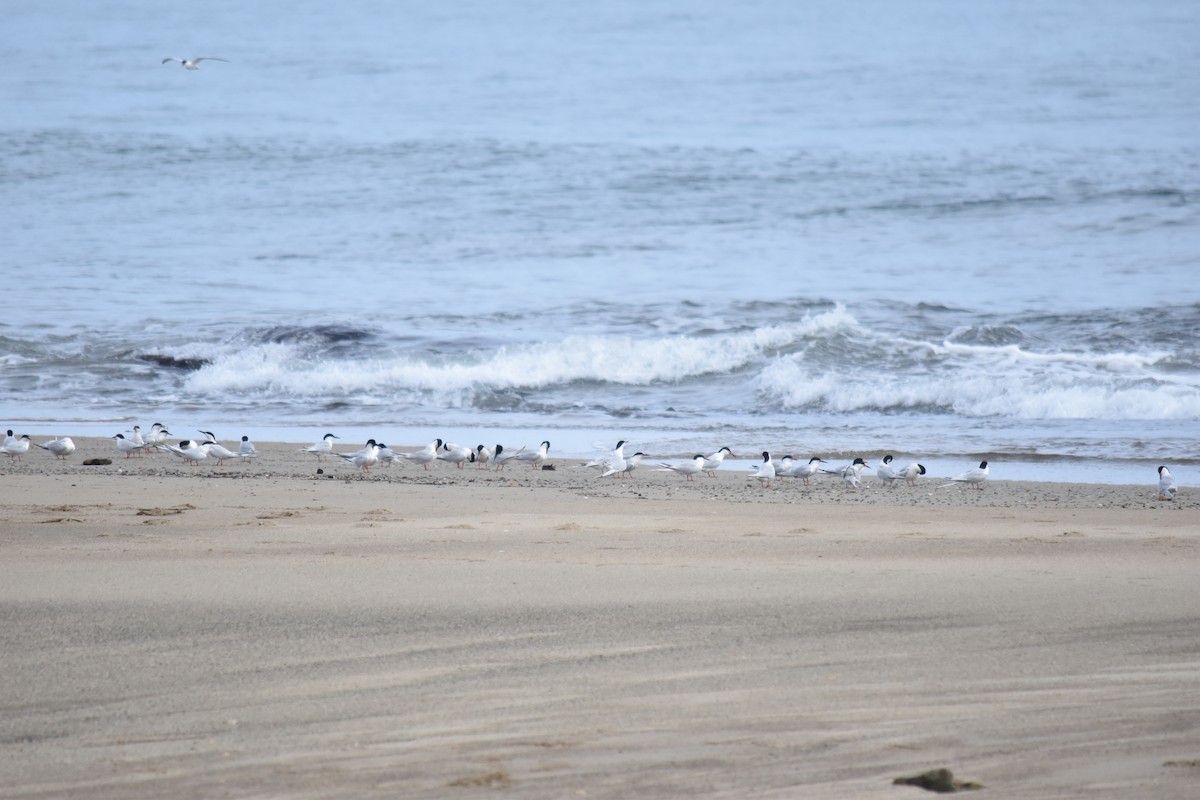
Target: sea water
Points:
(949, 232)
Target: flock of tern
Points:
(379, 453)
(614, 463)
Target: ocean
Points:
(949, 232)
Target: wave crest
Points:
(287, 366)
(979, 381)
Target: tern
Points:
(61, 448)
(137, 437)
(127, 446)
(802, 469)
(8, 438)
(851, 473)
(765, 471)
(886, 472)
(631, 463)
(616, 467)
(483, 455)
(425, 456)
(188, 450)
(713, 462)
(363, 459)
(501, 457)
(1166, 484)
(840, 471)
(158, 435)
(975, 476)
(218, 451)
(910, 473)
(322, 448)
(689, 469)
(612, 462)
(615, 462)
(221, 452)
(387, 455)
(247, 449)
(193, 63)
(602, 460)
(535, 458)
(456, 454)
(16, 448)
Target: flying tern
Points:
(193, 63)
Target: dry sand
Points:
(257, 630)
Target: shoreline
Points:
(261, 630)
(285, 460)
(581, 443)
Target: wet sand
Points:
(258, 630)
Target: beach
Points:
(824, 228)
(259, 630)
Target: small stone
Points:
(939, 780)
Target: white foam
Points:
(621, 360)
(1019, 388)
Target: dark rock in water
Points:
(97, 462)
(189, 364)
(311, 334)
(938, 780)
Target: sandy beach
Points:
(261, 630)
